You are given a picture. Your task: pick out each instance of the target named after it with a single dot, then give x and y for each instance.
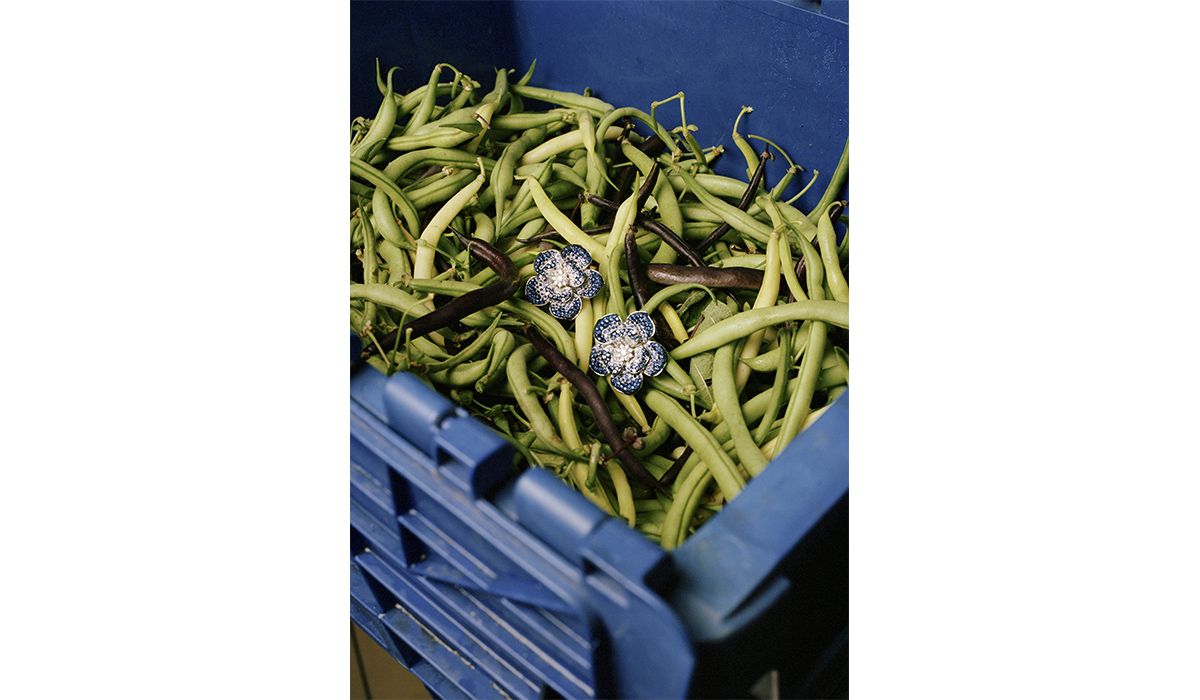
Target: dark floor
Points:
(376, 676)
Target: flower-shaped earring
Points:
(563, 281)
(625, 352)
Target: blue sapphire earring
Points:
(563, 280)
(625, 351)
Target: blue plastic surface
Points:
(489, 583)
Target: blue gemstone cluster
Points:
(625, 351)
(563, 280)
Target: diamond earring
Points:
(563, 280)
(625, 351)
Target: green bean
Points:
(369, 266)
(544, 322)
(436, 137)
(381, 127)
(640, 160)
(423, 264)
(563, 143)
(389, 296)
(562, 223)
(564, 173)
(385, 221)
(781, 186)
(768, 293)
(665, 294)
(566, 99)
(485, 230)
(381, 181)
(721, 434)
(753, 262)
(725, 393)
(799, 404)
(440, 190)
(617, 114)
(814, 269)
(524, 196)
(677, 390)
(622, 221)
(777, 388)
(835, 184)
(487, 109)
(463, 374)
(834, 372)
(695, 214)
(785, 251)
(715, 185)
(555, 192)
(396, 259)
(483, 340)
(425, 108)
(771, 359)
(674, 527)
(581, 473)
(827, 239)
(408, 102)
(531, 120)
(624, 495)
(528, 73)
(518, 379)
(585, 321)
(745, 323)
(505, 343)
(402, 165)
(595, 171)
(791, 163)
(358, 189)
(743, 145)
(701, 442)
(660, 431)
(456, 103)
(738, 219)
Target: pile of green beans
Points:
(453, 193)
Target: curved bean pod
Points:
(561, 144)
(745, 323)
(423, 264)
(385, 121)
(827, 239)
(674, 523)
(738, 219)
(517, 370)
(701, 441)
(567, 99)
(562, 223)
(725, 395)
(381, 181)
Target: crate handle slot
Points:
(467, 452)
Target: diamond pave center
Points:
(559, 277)
(624, 351)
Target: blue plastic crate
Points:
(485, 582)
